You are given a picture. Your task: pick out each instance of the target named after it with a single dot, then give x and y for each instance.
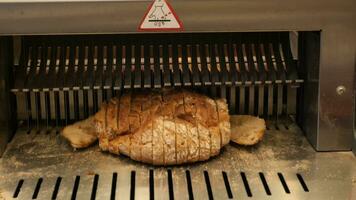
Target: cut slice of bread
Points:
(81, 134)
(224, 121)
(157, 141)
(169, 138)
(181, 141)
(135, 124)
(246, 129)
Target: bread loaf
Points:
(162, 128)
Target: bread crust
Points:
(157, 141)
(146, 125)
(215, 136)
(135, 124)
(169, 137)
(80, 134)
(146, 142)
(125, 104)
(224, 121)
(247, 130)
(192, 137)
(111, 118)
(204, 142)
(101, 124)
(120, 145)
(182, 141)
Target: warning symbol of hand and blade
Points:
(160, 16)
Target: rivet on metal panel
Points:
(340, 90)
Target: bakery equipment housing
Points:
(289, 62)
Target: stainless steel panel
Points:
(63, 17)
(286, 151)
(336, 60)
(328, 115)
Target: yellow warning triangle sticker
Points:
(160, 16)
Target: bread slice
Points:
(214, 130)
(100, 126)
(124, 123)
(204, 142)
(146, 125)
(146, 142)
(156, 103)
(169, 138)
(192, 142)
(111, 118)
(81, 134)
(157, 141)
(192, 134)
(100, 117)
(246, 129)
(135, 136)
(224, 121)
(181, 141)
(135, 110)
(120, 145)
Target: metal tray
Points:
(41, 165)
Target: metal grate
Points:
(241, 180)
(283, 166)
(61, 79)
(154, 61)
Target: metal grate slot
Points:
(208, 185)
(18, 188)
(152, 184)
(37, 188)
(95, 186)
(170, 185)
(227, 185)
(283, 182)
(56, 188)
(75, 188)
(246, 185)
(113, 186)
(133, 185)
(265, 184)
(302, 182)
(189, 185)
